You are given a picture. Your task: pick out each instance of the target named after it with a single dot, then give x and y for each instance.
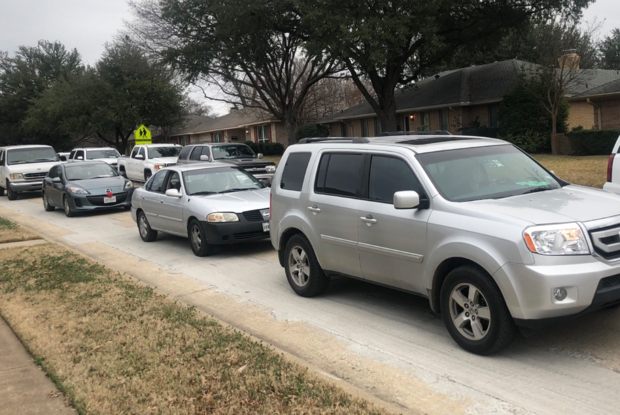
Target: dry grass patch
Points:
(113, 346)
(583, 170)
(11, 232)
(275, 159)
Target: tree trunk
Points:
(554, 131)
(386, 112)
(291, 127)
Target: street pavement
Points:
(382, 344)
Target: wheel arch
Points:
(284, 238)
(440, 274)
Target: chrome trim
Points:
(338, 241)
(602, 223)
(172, 219)
(394, 253)
(597, 236)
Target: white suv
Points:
(494, 240)
(22, 168)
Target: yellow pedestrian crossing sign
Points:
(143, 135)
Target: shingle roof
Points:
(234, 119)
(597, 88)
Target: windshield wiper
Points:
(102, 176)
(235, 190)
(539, 189)
(204, 192)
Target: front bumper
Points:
(83, 203)
(591, 285)
(26, 186)
(234, 232)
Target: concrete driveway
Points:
(377, 342)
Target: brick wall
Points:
(278, 130)
(581, 114)
(610, 114)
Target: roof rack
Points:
(436, 132)
(333, 139)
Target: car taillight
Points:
(610, 165)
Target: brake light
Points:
(610, 165)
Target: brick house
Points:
(454, 99)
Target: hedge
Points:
(268, 149)
(593, 142)
(310, 130)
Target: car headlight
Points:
(270, 169)
(223, 217)
(159, 166)
(563, 239)
(77, 190)
(16, 176)
(128, 185)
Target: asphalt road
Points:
(378, 342)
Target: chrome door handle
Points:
(314, 209)
(368, 219)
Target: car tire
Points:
(144, 228)
(1, 191)
(147, 175)
(127, 207)
(474, 311)
(303, 271)
(67, 207)
(46, 203)
(198, 239)
(11, 194)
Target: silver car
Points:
(494, 240)
(210, 204)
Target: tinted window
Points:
(1, 158)
(79, 154)
(86, 171)
(156, 152)
(389, 175)
(134, 152)
(174, 182)
(141, 151)
(339, 174)
(156, 184)
(54, 171)
(295, 171)
(72, 154)
(196, 154)
(185, 152)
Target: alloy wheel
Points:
(67, 207)
(196, 238)
(144, 226)
(299, 266)
(470, 312)
(45, 202)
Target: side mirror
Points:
(265, 182)
(173, 193)
(259, 156)
(204, 158)
(79, 158)
(407, 199)
(56, 180)
(139, 157)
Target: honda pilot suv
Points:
(493, 239)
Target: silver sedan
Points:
(210, 204)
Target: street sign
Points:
(143, 135)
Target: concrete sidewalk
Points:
(24, 388)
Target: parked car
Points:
(211, 204)
(145, 160)
(85, 186)
(613, 170)
(239, 155)
(22, 168)
(493, 239)
(108, 154)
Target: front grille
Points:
(250, 235)
(609, 282)
(98, 200)
(254, 170)
(606, 241)
(34, 176)
(253, 216)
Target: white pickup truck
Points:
(108, 154)
(145, 160)
(23, 168)
(613, 170)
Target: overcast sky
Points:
(87, 24)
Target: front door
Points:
(171, 213)
(392, 242)
(152, 199)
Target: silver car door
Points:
(151, 199)
(171, 209)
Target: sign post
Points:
(143, 136)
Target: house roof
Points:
(610, 87)
(234, 119)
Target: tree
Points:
(610, 51)
(111, 100)
(194, 107)
(253, 52)
(26, 76)
(393, 42)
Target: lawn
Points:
(10, 232)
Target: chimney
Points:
(570, 60)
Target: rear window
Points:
(339, 174)
(295, 171)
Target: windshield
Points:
(240, 151)
(31, 155)
(213, 181)
(102, 154)
(485, 173)
(155, 152)
(85, 171)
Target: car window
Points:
(102, 154)
(185, 152)
(174, 182)
(171, 151)
(236, 151)
(71, 154)
(295, 171)
(141, 151)
(389, 175)
(156, 184)
(87, 171)
(339, 174)
(80, 153)
(31, 155)
(1, 157)
(219, 180)
(195, 156)
(54, 171)
(134, 152)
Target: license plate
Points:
(266, 227)
(109, 199)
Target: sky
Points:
(88, 24)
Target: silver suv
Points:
(494, 240)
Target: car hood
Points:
(164, 160)
(568, 204)
(99, 186)
(237, 202)
(33, 167)
(106, 160)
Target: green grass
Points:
(7, 225)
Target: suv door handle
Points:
(368, 219)
(314, 209)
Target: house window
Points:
(443, 119)
(343, 129)
(493, 115)
(217, 137)
(262, 133)
(424, 121)
(377, 127)
(364, 122)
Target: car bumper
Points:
(591, 285)
(235, 232)
(83, 203)
(32, 186)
